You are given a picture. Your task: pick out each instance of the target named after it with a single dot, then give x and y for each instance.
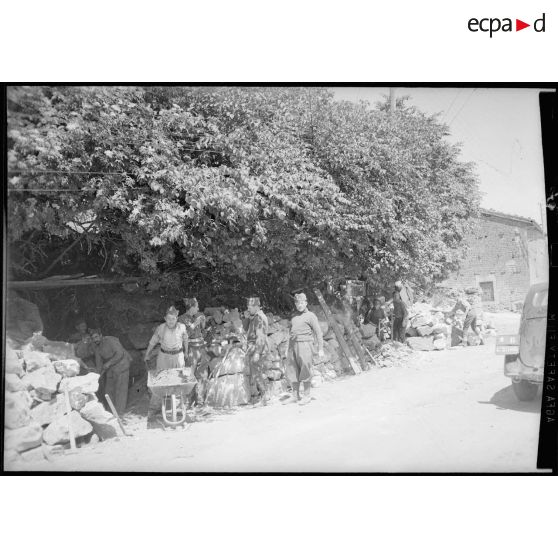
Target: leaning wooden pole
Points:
(335, 326)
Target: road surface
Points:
(447, 411)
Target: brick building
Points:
(506, 254)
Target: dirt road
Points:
(448, 411)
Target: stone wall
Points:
(499, 250)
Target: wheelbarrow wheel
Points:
(177, 408)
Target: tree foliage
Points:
(231, 188)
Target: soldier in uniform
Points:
(257, 350)
(305, 328)
(473, 313)
(198, 358)
(173, 340)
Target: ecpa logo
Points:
(494, 24)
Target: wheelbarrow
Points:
(173, 386)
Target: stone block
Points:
(317, 381)
(52, 453)
(44, 381)
(439, 344)
(35, 360)
(17, 409)
(424, 331)
(14, 383)
(57, 432)
(440, 328)
(421, 320)
(421, 343)
(33, 455)
(22, 439)
(89, 383)
(49, 411)
(67, 368)
(13, 363)
(78, 399)
(104, 423)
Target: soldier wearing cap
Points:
(305, 328)
(198, 358)
(258, 348)
(173, 340)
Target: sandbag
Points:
(235, 363)
(228, 391)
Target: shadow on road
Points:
(506, 399)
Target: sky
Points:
(500, 132)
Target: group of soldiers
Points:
(181, 342)
(468, 302)
(377, 313)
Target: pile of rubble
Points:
(428, 329)
(44, 393)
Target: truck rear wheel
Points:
(524, 390)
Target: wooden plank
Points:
(62, 283)
(341, 340)
(354, 339)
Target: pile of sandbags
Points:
(45, 389)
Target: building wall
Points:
(499, 252)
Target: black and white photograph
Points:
(274, 278)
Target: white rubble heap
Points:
(36, 426)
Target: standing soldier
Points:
(258, 349)
(400, 318)
(305, 328)
(173, 340)
(198, 358)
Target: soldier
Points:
(113, 364)
(473, 313)
(305, 328)
(258, 349)
(198, 358)
(173, 340)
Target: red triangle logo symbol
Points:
(519, 25)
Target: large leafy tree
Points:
(230, 188)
